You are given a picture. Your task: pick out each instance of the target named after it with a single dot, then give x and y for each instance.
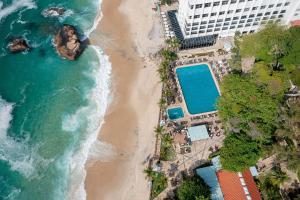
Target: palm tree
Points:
(162, 103)
(158, 130)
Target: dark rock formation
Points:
(67, 42)
(53, 12)
(17, 45)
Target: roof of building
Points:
(251, 185)
(208, 174)
(295, 23)
(238, 186)
(197, 133)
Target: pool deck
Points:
(183, 104)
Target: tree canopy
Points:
(193, 189)
(239, 152)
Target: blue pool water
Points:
(198, 87)
(175, 113)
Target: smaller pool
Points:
(175, 113)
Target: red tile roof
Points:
(295, 23)
(232, 188)
(251, 185)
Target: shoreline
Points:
(133, 112)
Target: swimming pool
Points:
(175, 113)
(198, 87)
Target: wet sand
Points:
(133, 113)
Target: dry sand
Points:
(128, 32)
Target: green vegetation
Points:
(269, 184)
(159, 182)
(167, 152)
(239, 152)
(193, 189)
(259, 121)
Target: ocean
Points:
(51, 109)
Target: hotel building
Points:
(222, 18)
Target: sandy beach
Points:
(129, 32)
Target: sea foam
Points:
(15, 6)
(94, 113)
(17, 154)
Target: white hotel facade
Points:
(198, 18)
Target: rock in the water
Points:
(18, 45)
(67, 42)
(53, 12)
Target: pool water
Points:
(198, 87)
(175, 113)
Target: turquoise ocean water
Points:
(50, 108)
(199, 88)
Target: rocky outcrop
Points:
(67, 42)
(17, 45)
(53, 12)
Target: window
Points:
(259, 15)
(194, 32)
(198, 6)
(219, 20)
(251, 16)
(267, 13)
(244, 32)
(202, 27)
(254, 8)
(229, 11)
(201, 31)
(194, 28)
(244, 17)
(257, 19)
(271, 6)
(195, 24)
(250, 20)
(265, 18)
(210, 26)
(204, 15)
(252, 31)
(262, 7)
(278, 5)
(227, 19)
(207, 5)
(248, 25)
(213, 14)
(217, 29)
(197, 16)
(224, 2)
(240, 26)
(246, 9)
(275, 12)
(241, 1)
(280, 16)
(273, 17)
(225, 28)
(209, 30)
(226, 23)
(204, 22)
(287, 3)
(238, 10)
(222, 13)
(235, 18)
(216, 3)
(232, 27)
(211, 21)
(283, 11)
(190, 17)
(242, 21)
(192, 6)
(233, 23)
(218, 25)
(255, 23)
(232, 1)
